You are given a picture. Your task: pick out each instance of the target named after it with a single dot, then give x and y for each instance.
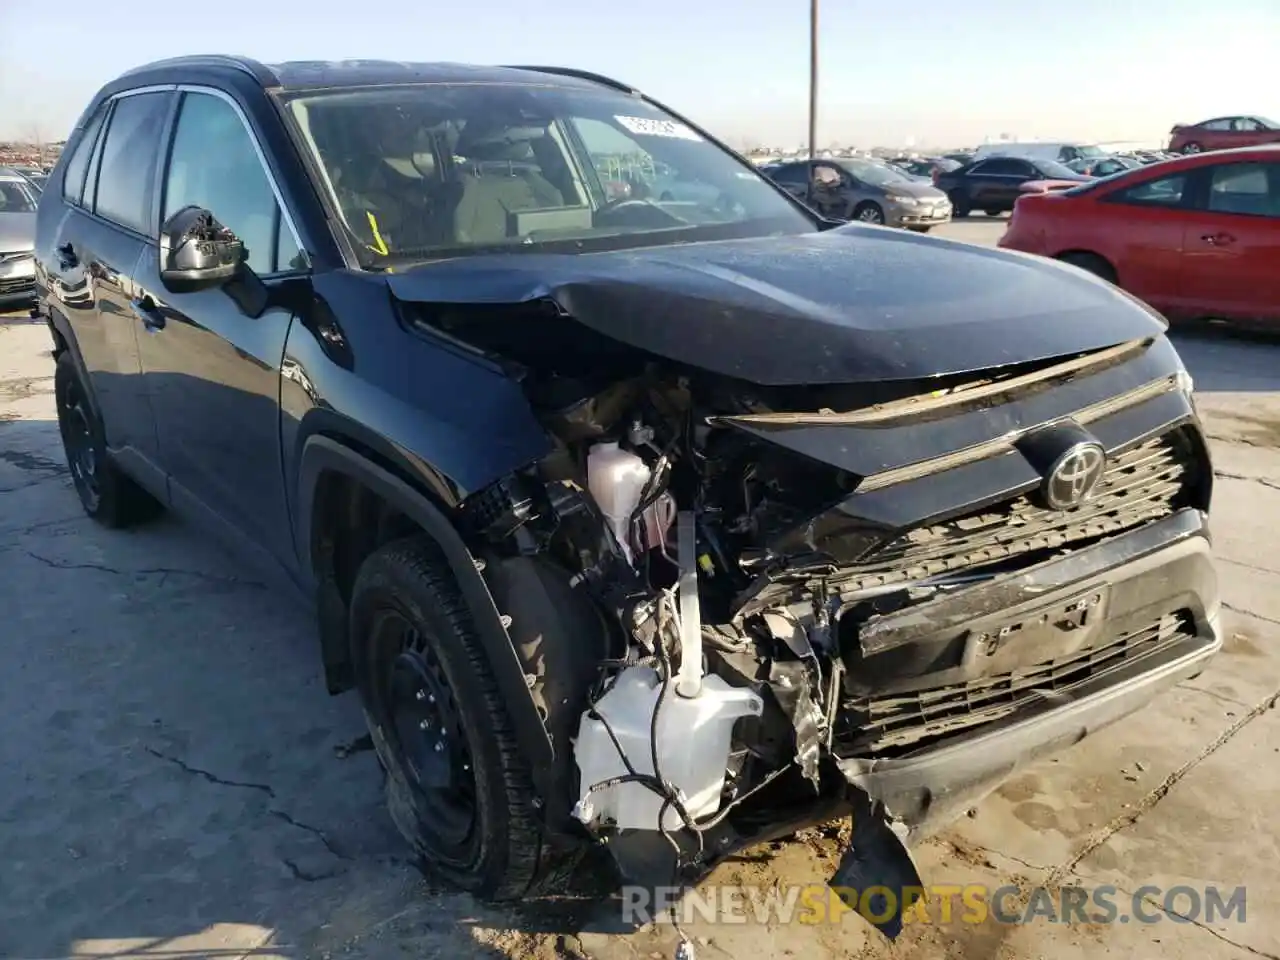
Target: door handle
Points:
(67, 255)
(1218, 239)
(145, 309)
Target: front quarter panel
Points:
(454, 422)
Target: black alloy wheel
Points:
(79, 441)
(458, 785)
(107, 495)
(415, 705)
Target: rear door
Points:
(1232, 243)
(108, 221)
(213, 372)
(793, 178)
(995, 182)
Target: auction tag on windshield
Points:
(645, 127)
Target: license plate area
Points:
(1005, 642)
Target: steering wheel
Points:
(622, 202)
(730, 206)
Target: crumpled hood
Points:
(853, 304)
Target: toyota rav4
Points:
(674, 519)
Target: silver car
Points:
(17, 238)
(851, 188)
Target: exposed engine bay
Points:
(742, 601)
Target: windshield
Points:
(16, 197)
(879, 174)
(1091, 152)
(437, 169)
(1269, 124)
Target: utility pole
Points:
(813, 93)
(813, 77)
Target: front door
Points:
(1231, 247)
(1148, 250)
(213, 372)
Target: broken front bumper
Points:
(1158, 585)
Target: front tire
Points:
(1192, 147)
(1092, 263)
(458, 787)
(106, 493)
(959, 204)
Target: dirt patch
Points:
(1242, 644)
(21, 388)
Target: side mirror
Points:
(197, 252)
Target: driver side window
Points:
(213, 164)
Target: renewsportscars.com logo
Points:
(940, 903)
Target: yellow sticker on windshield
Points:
(378, 243)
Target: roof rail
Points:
(255, 69)
(576, 74)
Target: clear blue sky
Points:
(938, 71)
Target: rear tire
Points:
(993, 213)
(413, 640)
(1092, 263)
(106, 493)
(868, 212)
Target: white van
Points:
(1062, 151)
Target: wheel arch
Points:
(64, 341)
(334, 475)
(1094, 254)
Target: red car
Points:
(1223, 133)
(1196, 236)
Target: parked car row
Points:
(851, 188)
(1194, 237)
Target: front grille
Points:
(17, 285)
(1142, 484)
(885, 725)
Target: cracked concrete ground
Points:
(174, 781)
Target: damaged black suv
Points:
(638, 502)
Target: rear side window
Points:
(127, 165)
(1002, 166)
(1250, 189)
(794, 173)
(78, 164)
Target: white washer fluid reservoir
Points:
(693, 740)
(616, 480)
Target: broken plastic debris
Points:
(877, 857)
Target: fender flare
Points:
(60, 328)
(321, 454)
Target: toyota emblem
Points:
(1074, 475)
